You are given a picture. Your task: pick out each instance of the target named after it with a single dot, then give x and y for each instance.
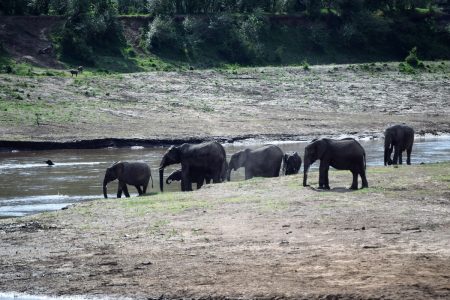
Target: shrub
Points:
(412, 58)
(305, 65)
(406, 68)
(91, 26)
(162, 33)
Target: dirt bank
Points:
(263, 238)
(326, 100)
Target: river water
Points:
(28, 185)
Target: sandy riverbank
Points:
(263, 238)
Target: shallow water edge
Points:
(8, 145)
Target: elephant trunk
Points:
(168, 180)
(105, 182)
(305, 173)
(161, 179)
(229, 173)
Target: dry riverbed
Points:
(262, 238)
(274, 102)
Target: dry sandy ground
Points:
(274, 102)
(263, 238)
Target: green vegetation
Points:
(182, 33)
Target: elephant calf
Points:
(195, 175)
(261, 162)
(292, 163)
(345, 154)
(133, 173)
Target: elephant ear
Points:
(118, 167)
(173, 154)
(242, 157)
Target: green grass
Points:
(163, 202)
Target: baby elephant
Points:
(133, 173)
(291, 163)
(196, 175)
(74, 72)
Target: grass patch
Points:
(164, 202)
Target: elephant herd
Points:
(207, 162)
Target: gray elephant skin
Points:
(345, 154)
(292, 163)
(132, 173)
(398, 138)
(209, 157)
(261, 162)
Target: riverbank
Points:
(274, 102)
(262, 238)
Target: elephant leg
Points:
(199, 184)
(396, 153)
(248, 174)
(216, 178)
(208, 180)
(119, 191)
(400, 158)
(323, 176)
(138, 189)
(365, 184)
(186, 185)
(144, 188)
(125, 190)
(408, 155)
(354, 185)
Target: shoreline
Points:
(103, 143)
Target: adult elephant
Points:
(208, 156)
(292, 163)
(132, 173)
(345, 154)
(398, 138)
(261, 162)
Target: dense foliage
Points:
(252, 31)
(311, 7)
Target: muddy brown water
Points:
(28, 185)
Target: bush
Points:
(412, 58)
(91, 26)
(406, 68)
(162, 33)
(251, 33)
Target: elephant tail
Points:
(151, 177)
(365, 165)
